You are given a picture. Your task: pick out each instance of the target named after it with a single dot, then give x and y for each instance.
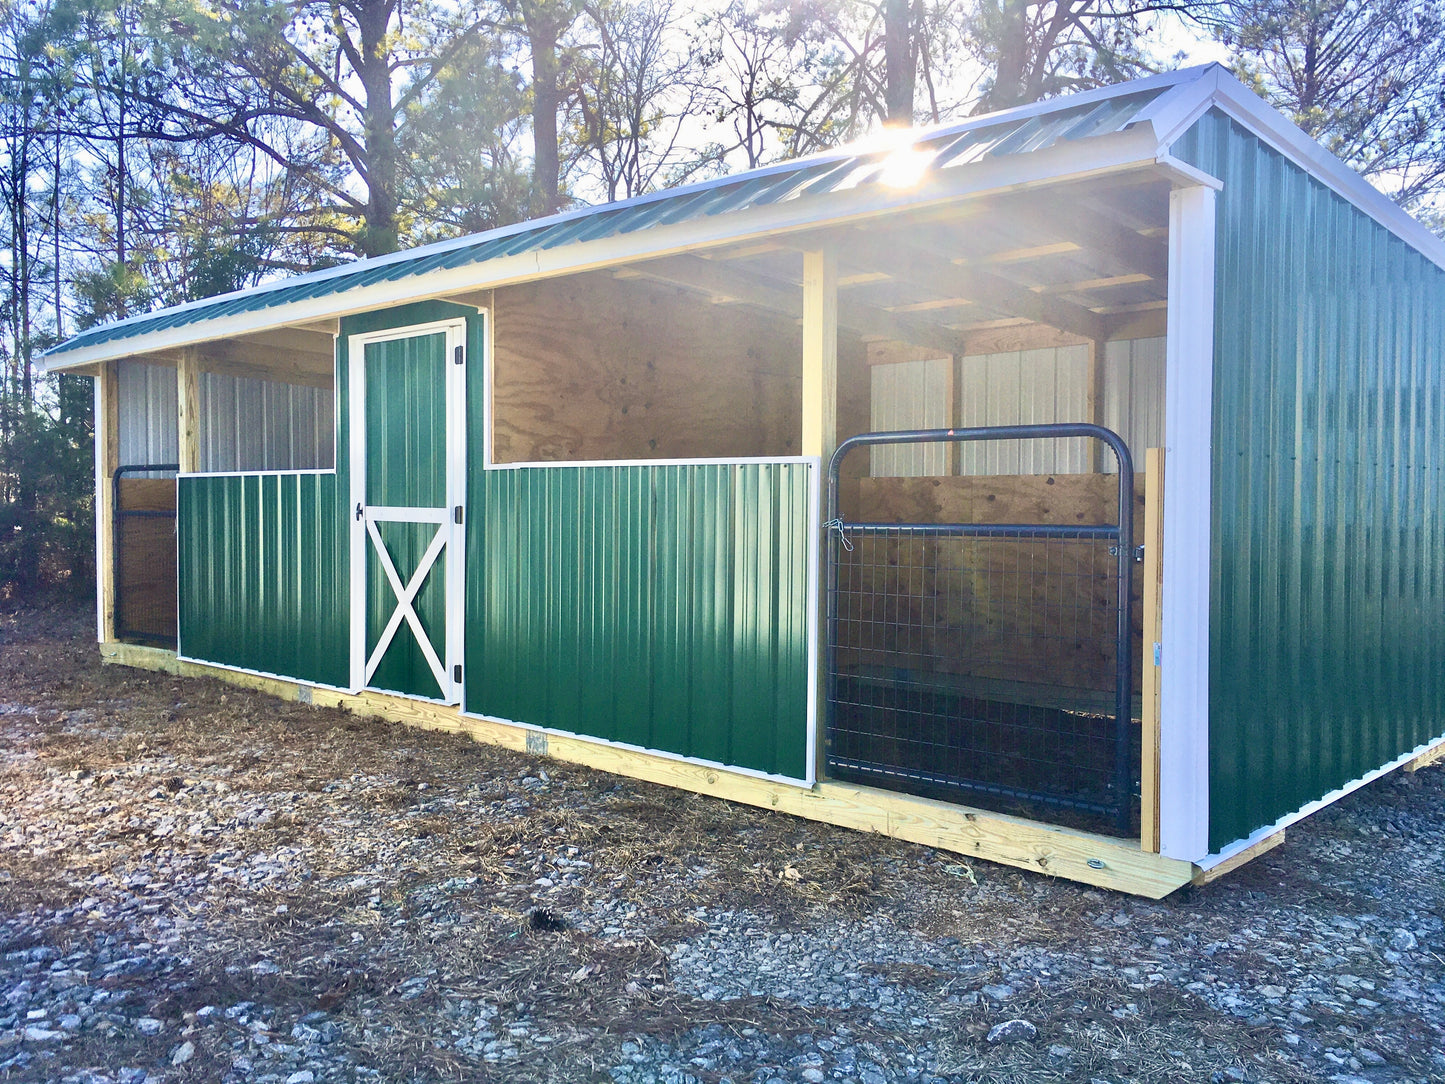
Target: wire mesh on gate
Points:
(988, 663)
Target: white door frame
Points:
(450, 520)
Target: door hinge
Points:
(457, 673)
(457, 514)
(459, 355)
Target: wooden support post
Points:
(1094, 396)
(188, 411)
(1153, 646)
(820, 354)
(107, 458)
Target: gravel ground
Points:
(203, 883)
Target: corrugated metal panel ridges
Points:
(1327, 644)
(263, 574)
(953, 148)
(661, 606)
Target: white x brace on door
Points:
(408, 490)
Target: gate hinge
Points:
(457, 514)
(458, 355)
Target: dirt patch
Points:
(199, 882)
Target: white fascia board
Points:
(1239, 103)
(1132, 149)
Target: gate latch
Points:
(358, 510)
(838, 525)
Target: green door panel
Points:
(406, 467)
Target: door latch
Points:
(358, 511)
(457, 514)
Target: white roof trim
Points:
(863, 147)
(1133, 148)
(1175, 113)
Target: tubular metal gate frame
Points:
(1121, 533)
(118, 516)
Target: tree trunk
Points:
(379, 236)
(898, 58)
(543, 30)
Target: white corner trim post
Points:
(1188, 428)
(819, 438)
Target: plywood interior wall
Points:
(592, 367)
(1035, 613)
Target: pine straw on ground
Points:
(417, 854)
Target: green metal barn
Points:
(1062, 487)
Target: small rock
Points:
(999, 992)
(37, 1034)
(1059, 1050)
(149, 1025)
(813, 1075)
(1272, 991)
(183, 1053)
(305, 1076)
(1013, 1031)
(1370, 1057)
(1403, 941)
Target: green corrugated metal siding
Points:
(1327, 638)
(662, 606)
(262, 578)
(406, 422)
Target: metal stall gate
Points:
(144, 563)
(990, 661)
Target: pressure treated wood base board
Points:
(1427, 758)
(1234, 861)
(1079, 856)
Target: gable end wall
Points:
(1327, 601)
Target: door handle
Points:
(358, 510)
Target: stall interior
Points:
(976, 666)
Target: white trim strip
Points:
(1226, 853)
(384, 513)
(815, 647)
(300, 683)
(1188, 433)
(735, 461)
(405, 596)
(254, 473)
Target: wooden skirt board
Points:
(1078, 856)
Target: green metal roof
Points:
(1014, 132)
